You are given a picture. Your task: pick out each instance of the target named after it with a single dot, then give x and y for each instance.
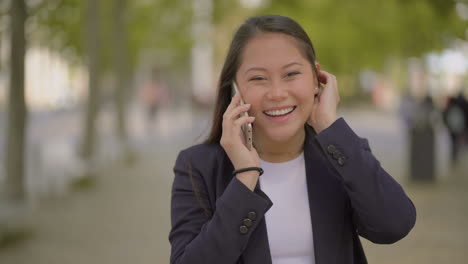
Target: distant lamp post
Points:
(202, 52)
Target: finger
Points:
(322, 77)
(235, 100)
(244, 120)
(332, 85)
(320, 90)
(234, 115)
(331, 79)
(235, 112)
(325, 77)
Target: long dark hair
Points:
(251, 28)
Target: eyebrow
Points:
(263, 69)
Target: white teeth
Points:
(280, 112)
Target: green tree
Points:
(17, 112)
(93, 41)
(353, 35)
(350, 35)
(121, 68)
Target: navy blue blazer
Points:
(350, 195)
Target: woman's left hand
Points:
(325, 103)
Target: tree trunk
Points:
(121, 70)
(93, 46)
(17, 113)
(1, 49)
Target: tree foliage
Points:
(162, 25)
(351, 35)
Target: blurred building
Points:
(50, 82)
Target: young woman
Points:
(320, 186)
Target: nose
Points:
(277, 92)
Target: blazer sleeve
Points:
(382, 212)
(215, 237)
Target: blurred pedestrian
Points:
(153, 95)
(406, 110)
(422, 141)
(321, 186)
(456, 119)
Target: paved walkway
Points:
(125, 217)
(441, 231)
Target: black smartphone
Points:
(246, 128)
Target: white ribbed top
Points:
(288, 221)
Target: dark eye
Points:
(257, 78)
(291, 74)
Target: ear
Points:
(317, 65)
(317, 89)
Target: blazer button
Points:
(247, 222)
(252, 215)
(341, 161)
(337, 154)
(243, 229)
(331, 149)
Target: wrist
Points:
(326, 124)
(249, 179)
(247, 169)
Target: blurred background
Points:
(97, 97)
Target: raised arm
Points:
(204, 231)
(382, 212)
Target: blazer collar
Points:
(316, 173)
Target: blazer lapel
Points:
(324, 201)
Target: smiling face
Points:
(278, 81)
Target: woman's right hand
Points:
(232, 137)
